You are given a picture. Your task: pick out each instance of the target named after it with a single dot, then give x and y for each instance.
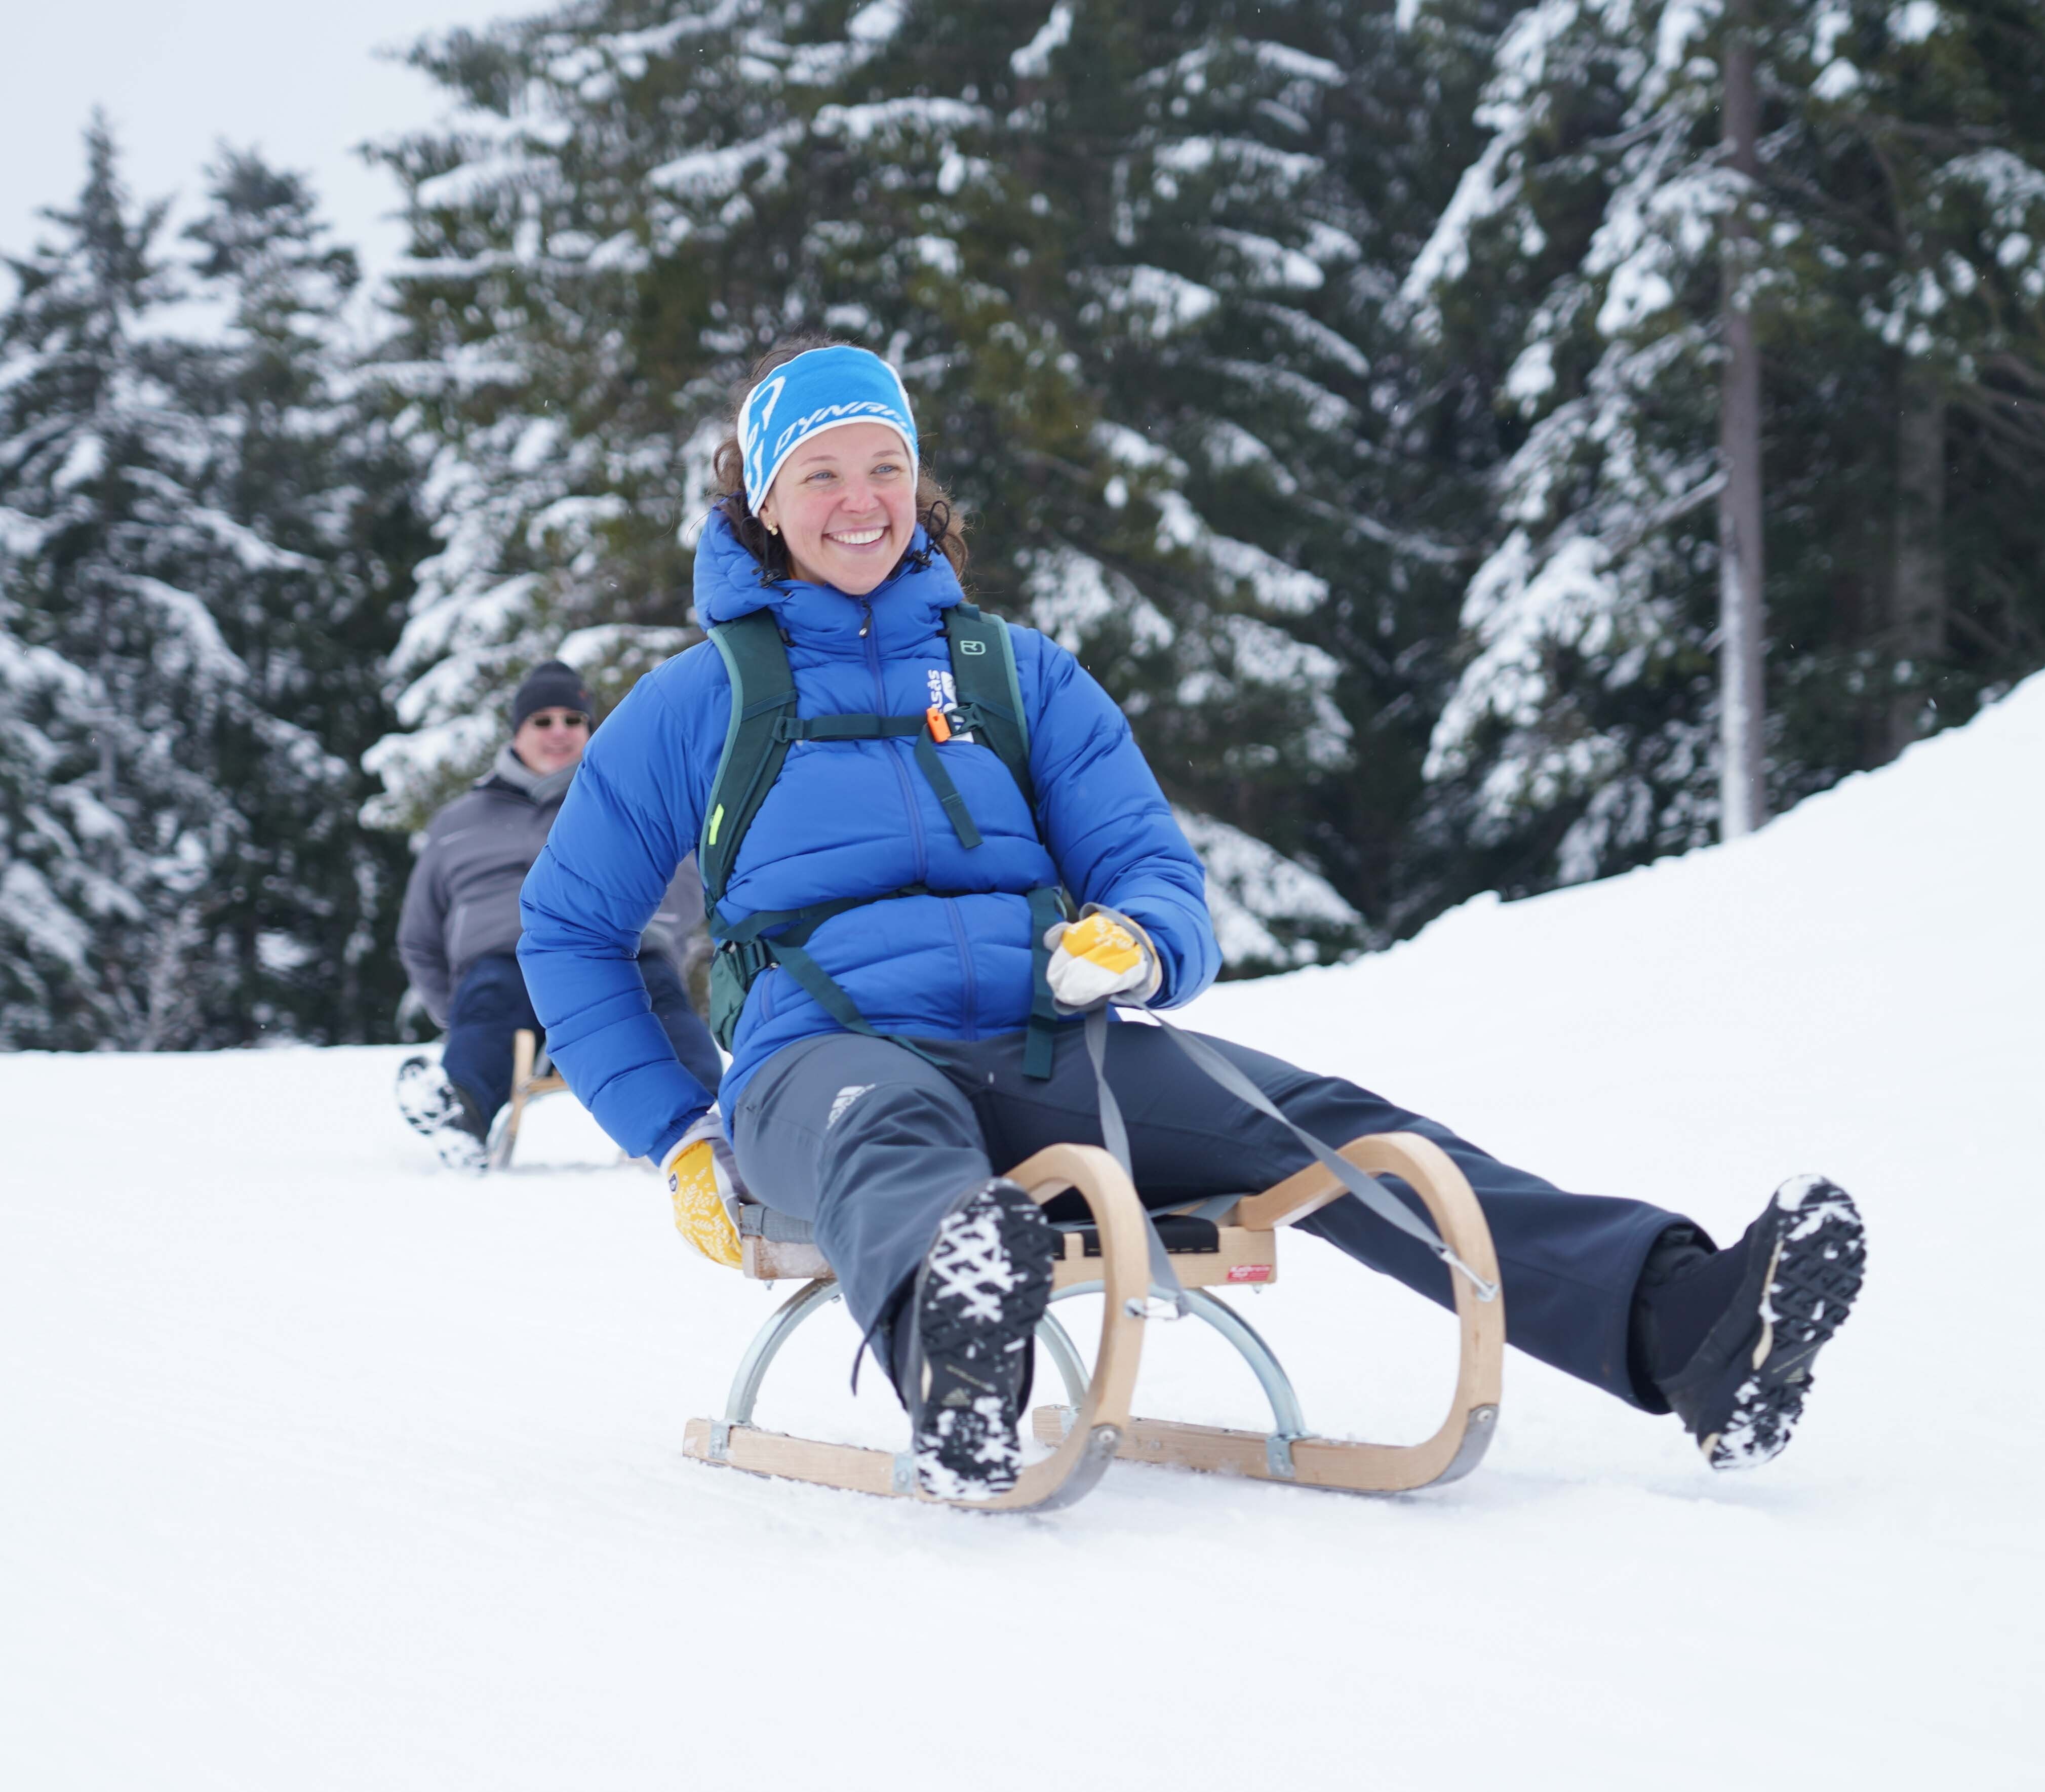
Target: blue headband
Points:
(820, 389)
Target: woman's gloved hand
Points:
(1102, 957)
(702, 1182)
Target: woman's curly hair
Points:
(934, 508)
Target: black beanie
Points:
(552, 686)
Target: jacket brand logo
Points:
(942, 689)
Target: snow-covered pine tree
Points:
(176, 851)
(1582, 257)
(127, 674)
(1244, 187)
(56, 887)
(1131, 260)
(1578, 262)
(1922, 253)
(303, 910)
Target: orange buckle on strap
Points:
(941, 730)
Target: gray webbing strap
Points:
(1360, 1184)
(1114, 1135)
(757, 1220)
(1213, 1207)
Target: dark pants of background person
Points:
(871, 1143)
(491, 1004)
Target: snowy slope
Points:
(325, 1470)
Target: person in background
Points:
(458, 935)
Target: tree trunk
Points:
(1742, 782)
(1917, 606)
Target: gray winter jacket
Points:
(462, 902)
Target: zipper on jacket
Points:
(895, 756)
(970, 986)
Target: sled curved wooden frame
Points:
(1458, 1445)
(1085, 1449)
(528, 1084)
(1100, 1427)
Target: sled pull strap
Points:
(1364, 1187)
(1164, 1279)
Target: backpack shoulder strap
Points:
(984, 673)
(763, 691)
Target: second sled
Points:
(1230, 1243)
(532, 1075)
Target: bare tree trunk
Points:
(1742, 782)
(1917, 609)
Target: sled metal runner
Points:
(1094, 1424)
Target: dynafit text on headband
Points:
(822, 389)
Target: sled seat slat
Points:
(771, 1259)
(1237, 1257)
(774, 1248)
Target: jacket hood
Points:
(907, 608)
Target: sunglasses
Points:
(548, 721)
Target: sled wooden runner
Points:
(532, 1076)
(1111, 1258)
(1456, 1447)
(1084, 1449)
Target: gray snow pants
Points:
(871, 1143)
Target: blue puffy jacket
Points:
(844, 818)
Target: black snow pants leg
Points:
(871, 1143)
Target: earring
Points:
(772, 528)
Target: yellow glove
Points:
(701, 1183)
(1102, 957)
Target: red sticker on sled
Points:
(1250, 1272)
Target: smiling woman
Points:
(803, 491)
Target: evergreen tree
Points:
(56, 889)
(303, 913)
(193, 585)
(99, 470)
(1582, 259)
(1921, 252)
(1132, 261)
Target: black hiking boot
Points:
(978, 1297)
(440, 1111)
(1794, 1277)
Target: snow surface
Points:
(327, 1470)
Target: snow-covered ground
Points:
(323, 1469)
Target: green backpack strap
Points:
(763, 692)
(763, 724)
(984, 675)
(990, 702)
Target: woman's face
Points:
(846, 504)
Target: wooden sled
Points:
(1111, 1258)
(532, 1076)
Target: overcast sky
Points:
(299, 81)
